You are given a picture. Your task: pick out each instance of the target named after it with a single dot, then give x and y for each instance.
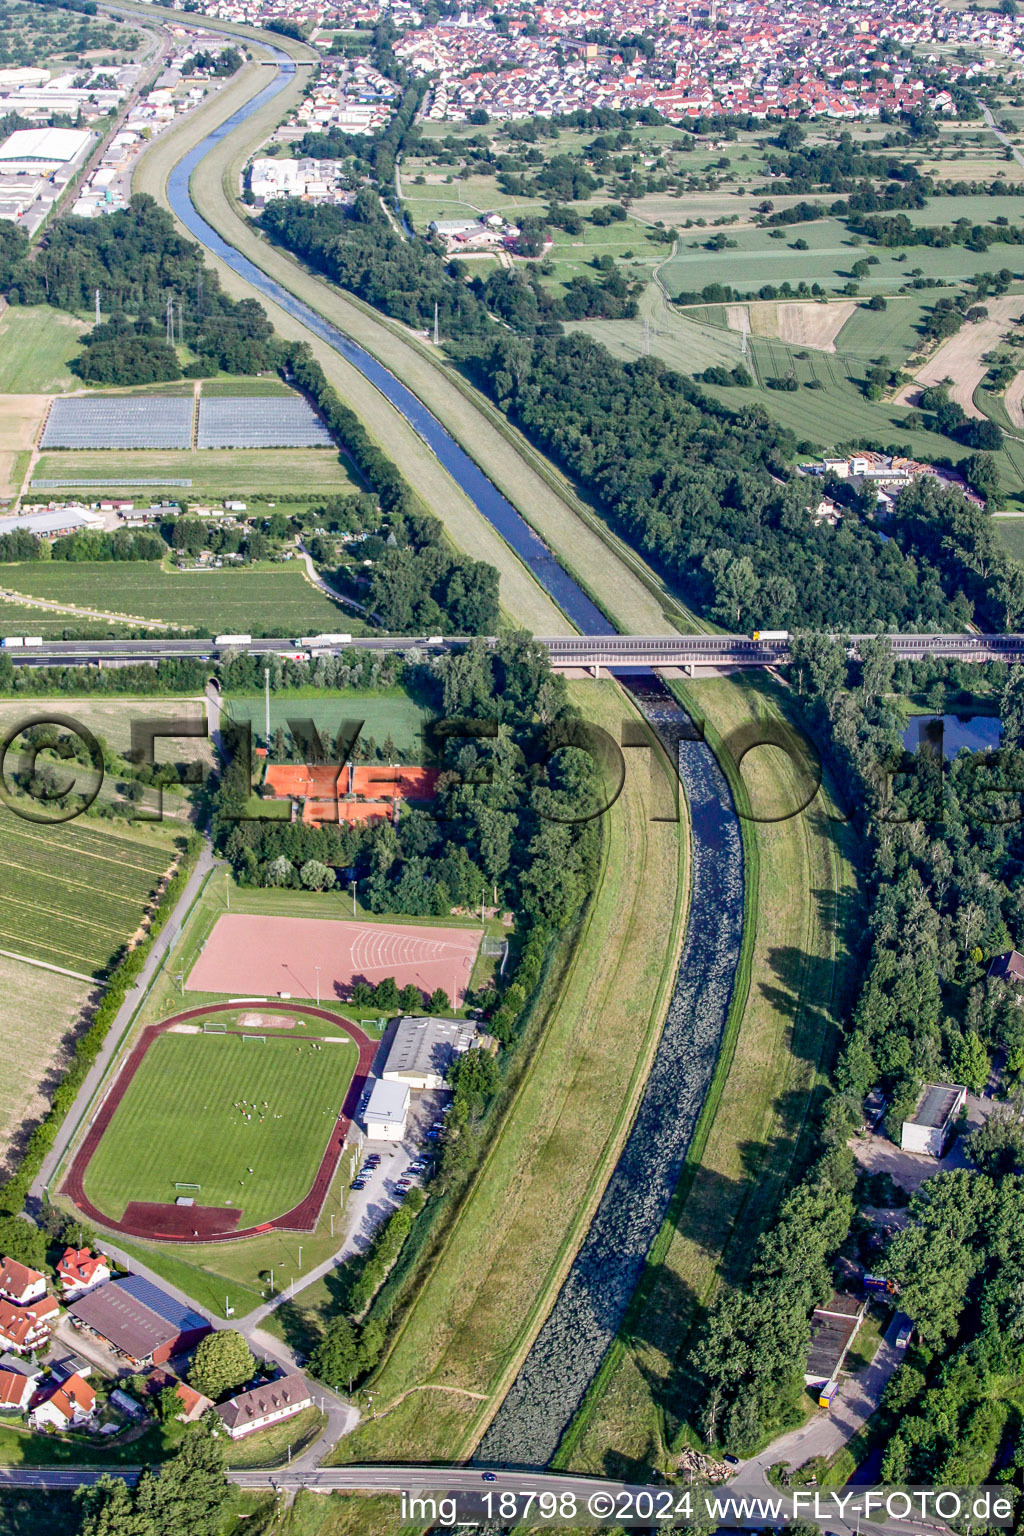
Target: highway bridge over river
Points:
(691, 652)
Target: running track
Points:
(302, 1217)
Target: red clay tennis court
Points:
(247, 955)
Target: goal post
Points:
(182, 1187)
(493, 944)
(254, 1039)
(214, 1029)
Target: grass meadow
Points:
(178, 1122)
(514, 1236)
(75, 892)
(752, 1136)
(391, 713)
(36, 345)
(224, 601)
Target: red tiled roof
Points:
(16, 1278)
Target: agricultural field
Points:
(26, 619)
(751, 1139)
(41, 1011)
(76, 892)
(961, 357)
(241, 384)
(111, 720)
(20, 416)
(36, 345)
(392, 713)
(214, 472)
(180, 1120)
(828, 260)
(220, 601)
(514, 1236)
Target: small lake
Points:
(976, 733)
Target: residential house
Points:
(15, 1391)
(264, 1405)
(23, 1329)
(68, 1407)
(20, 1284)
(80, 1269)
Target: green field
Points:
(214, 472)
(246, 384)
(36, 345)
(1010, 533)
(278, 596)
(39, 1009)
(177, 1122)
(73, 893)
(830, 256)
(392, 713)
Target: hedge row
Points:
(14, 1191)
(344, 425)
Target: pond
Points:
(976, 733)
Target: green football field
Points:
(178, 1123)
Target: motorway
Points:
(670, 650)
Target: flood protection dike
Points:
(485, 496)
(590, 1307)
(592, 1303)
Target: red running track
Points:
(153, 1221)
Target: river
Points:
(592, 1302)
(488, 500)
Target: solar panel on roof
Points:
(260, 422)
(119, 421)
(158, 1301)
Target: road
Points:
(1001, 136)
(438, 1480)
(670, 650)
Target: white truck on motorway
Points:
(232, 639)
(308, 641)
(12, 642)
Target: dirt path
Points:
(1014, 400)
(8, 595)
(960, 358)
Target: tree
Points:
(410, 998)
(968, 1061)
(222, 1361)
(279, 871)
(1011, 706)
(734, 582)
(439, 1002)
(877, 664)
(335, 1359)
(362, 995)
(169, 1403)
(316, 876)
(22, 1241)
(191, 1489)
(997, 1147)
(385, 994)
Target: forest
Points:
(944, 876)
(136, 259)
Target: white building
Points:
(42, 149)
(73, 1403)
(424, 1049)
(264, 1405)
(931, 1125)
(19, 1283)
(387, 1112)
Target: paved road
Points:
(990, 120)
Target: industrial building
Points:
(833, 1329)
(931, 1125)
(52, 522)
(424, 1049)
(139, 1320)
(387, 1112)
(42, 150)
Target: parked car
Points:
(358, 1184)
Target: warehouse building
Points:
(52, 522)
(931, 1125)
(139, 1320)
(42, 150)
(423, 1050)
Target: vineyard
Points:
(75, 892)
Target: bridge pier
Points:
(597, 671)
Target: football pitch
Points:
(183, 1120)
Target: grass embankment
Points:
(521, 596)
(508, 1248)
(753, 1133)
